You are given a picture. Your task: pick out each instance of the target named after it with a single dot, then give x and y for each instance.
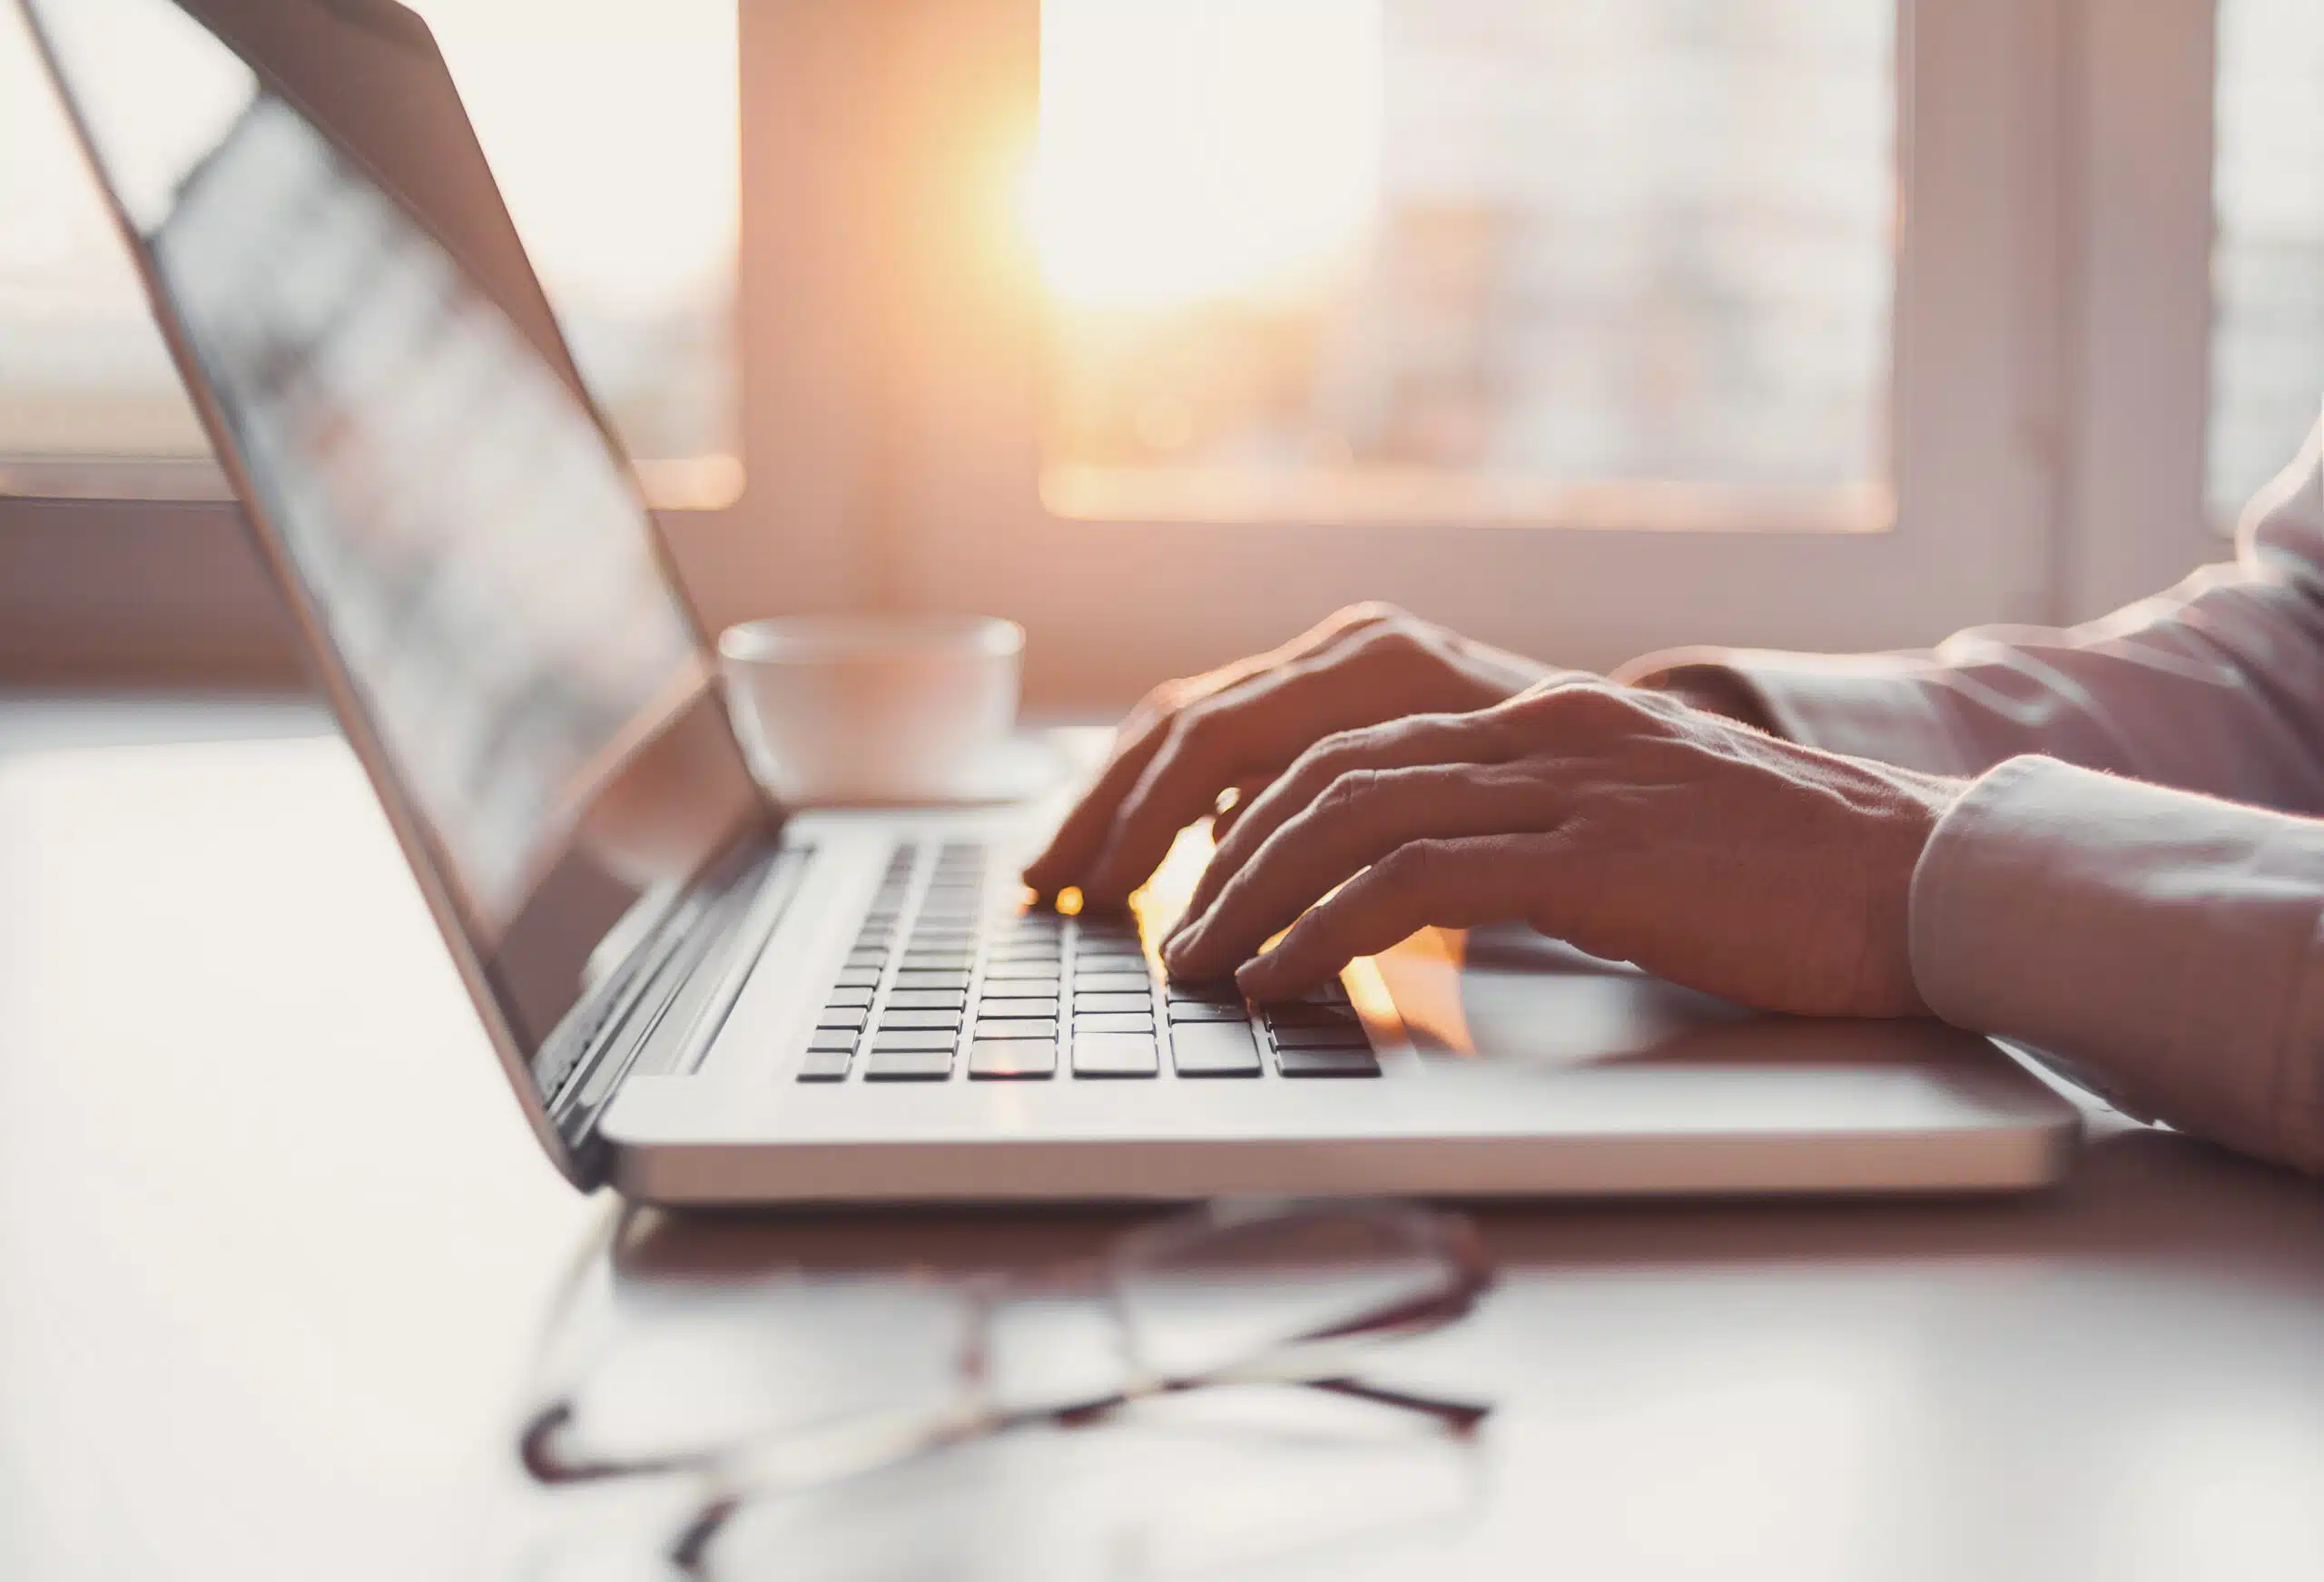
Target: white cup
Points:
(872, 708)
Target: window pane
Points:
(2268, 261)
(1482, 258)
(611, 128)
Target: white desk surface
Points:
(276, 1253)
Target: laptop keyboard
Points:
(951, 976)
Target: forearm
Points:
(2216, 685)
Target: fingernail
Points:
(1185, 928)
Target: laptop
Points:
(700, 997)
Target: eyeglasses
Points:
(1233, 1293)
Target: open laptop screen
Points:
(463, 534)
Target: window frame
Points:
(888, 445)
(1978, 383)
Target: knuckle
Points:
(1343, 747)
(1196, 734)
(1410, 867)
(1589, 706)
(1153, 711)
(1321, 762)
(1173, 695)
(1345, 790)
(1392, 639)
(1366, 611)
(1178, 737)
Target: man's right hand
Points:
(1238, 727)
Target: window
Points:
(1486, 259)
(2267, 351)
(616, 151)
(1165, 326)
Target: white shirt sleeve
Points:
(2145, 897)
(2216, 686)
(2168, 946)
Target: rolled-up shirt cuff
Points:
(2165, 945)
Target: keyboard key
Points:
(1022, 988)
(1213, 1049)
(1222, 991)
(993, 1004)
(1019, 970)
(1327, 1063)
(1111, 949)
(857, 977)
(1109, 983)
(958, 980)
(936, 961)
(1200, 1011)
(1295, 1014)
(885, 1042)
(1083, 1003)
(1017, 1027)
(850, 997)
(831, 1038)
(927, 1000)
(1036, 950)
(848, 1016)
(895, 1020)
(824, 1065)
(1113, 1022)
(1319, 1037)
(908, 1064)
(1115, 1054)
(863, 959)
(1016, 1057)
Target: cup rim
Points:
(791, 639)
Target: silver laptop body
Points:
(698, 998)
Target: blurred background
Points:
(1206, 283)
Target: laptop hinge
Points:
(664, 1003)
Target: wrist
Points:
(1712, 688)
(1916, 806)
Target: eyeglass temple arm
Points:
(1458, 1417)
(547, 1461)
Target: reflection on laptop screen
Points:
(462, 530)
(478, 558)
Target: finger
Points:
(1253, 729)
(1360, 820)
(1082, 835)
(1083, 831)
(1450, 884)
(1421, 738)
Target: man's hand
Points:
(1623, 821)
(1237, 728)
